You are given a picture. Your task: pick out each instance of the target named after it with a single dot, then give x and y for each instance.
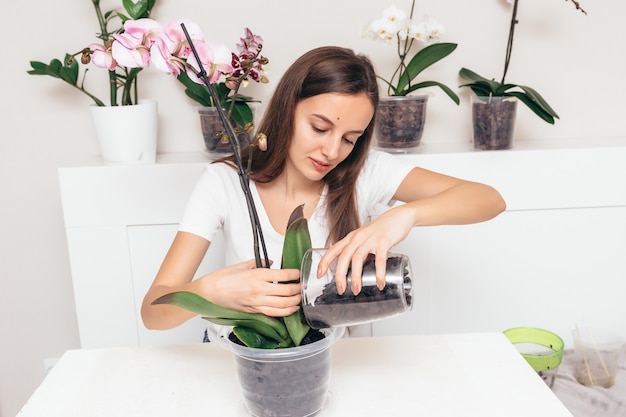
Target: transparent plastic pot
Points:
(323, 307)
(286, 382)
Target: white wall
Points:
(577, 62)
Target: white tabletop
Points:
(437, 375)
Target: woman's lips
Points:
(319, 166)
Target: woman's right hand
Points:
(245, 287)
(242, 287)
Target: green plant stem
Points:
(509, 44)
(404, 47)
(94, 98)
(104, 35)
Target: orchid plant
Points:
(141, 42)
(121, 78)
(252, 330)
(247, 64)
(395, 25)
(178, 48)
(484, 87)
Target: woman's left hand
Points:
(376, 237)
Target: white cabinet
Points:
(556, 256)
(120, 221)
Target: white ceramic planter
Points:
(127, 134)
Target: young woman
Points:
(319, 126)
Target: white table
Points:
(437, 375)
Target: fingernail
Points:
(340, 288)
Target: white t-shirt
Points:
(217, 202)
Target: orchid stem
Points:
(232, 138)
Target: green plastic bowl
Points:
(547, 359)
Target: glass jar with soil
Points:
(323, 307)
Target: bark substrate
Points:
(287, 388)
(213, 131)
(330, 309)
(400, 125)
(370, 304)
(493, 124)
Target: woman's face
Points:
(326, 127)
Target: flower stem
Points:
(509, 44)
(404, 47)
(104, 35)
(257, 232)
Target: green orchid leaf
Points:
(471, 75)
(199, 305)
(297, 242)
(69, 73)
(422, 60)
(241, 112)
(532, 105)
(136, 8)
(57, 69)
(480, 85)
(536, 97)
(503, 88)
(480, 88)
(445, 89)
(197, 92)
(39, 68)
(528, 96)
(281, 338)
(253, 339)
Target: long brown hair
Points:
(328, 69)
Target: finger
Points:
(277, 311)
(341, 273)
(283, 290)
(329, 257)
(284, 275)
(277, 303)
(381, 269)
(249, 264)
(356, 273)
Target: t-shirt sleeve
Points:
(380, 178)
(205, 211)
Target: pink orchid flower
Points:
(132, 48)
(248, 49)
(174, 34)
(102, 57)
(216, 59)
(250, 42)
(163, 59)
(171, 46)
